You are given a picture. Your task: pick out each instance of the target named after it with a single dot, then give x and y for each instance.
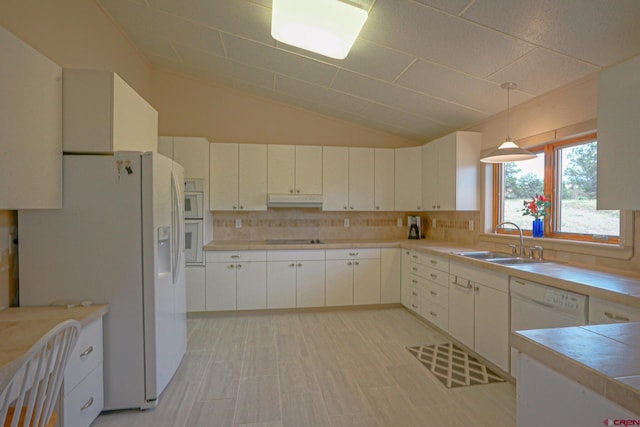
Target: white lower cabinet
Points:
(430, 288)
(196, 285)
(352, 276)
(390, 266)
(236, 280)
(405, 278)
(295, 278)
(603, 312)
(479, 311)
(82, 390)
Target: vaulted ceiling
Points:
(419, 69)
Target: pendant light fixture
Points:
(327, 27)
(508, 151)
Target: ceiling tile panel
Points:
(418, 125)
(365, 58)
(271, 58)
(450, 6)
(436, 80)
(559, 70)
(601, 32)
(439, 37)
(320, 95)
(240, 17)
(218, 65)
(187, 70)
(404, 99)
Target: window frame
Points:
(551, 177)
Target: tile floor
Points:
(330, 368)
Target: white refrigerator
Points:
(118, 239)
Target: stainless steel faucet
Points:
(520, 251)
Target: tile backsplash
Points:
(318, 224)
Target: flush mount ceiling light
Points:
(508, 151)
(327, 27)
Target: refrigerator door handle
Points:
(178, 225)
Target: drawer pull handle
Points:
(414, 268)
(434, 276)
(433, 314)
(415, 294)
(414, 281)
(86, 352)
(433, 262)
(414, 256)
(434, 293)
(235, 256)
(88, 404)
(414, 306)
(292, 265)
(353, 253)
(617, 317)
(299, 265)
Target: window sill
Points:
(569, 246)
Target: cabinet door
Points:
(447, 174)
(310, 283)
(165, 146)
(251, 285)
(335, 178)
(384, 179)
(196, 285)
(390, 260)
(252, 181)
(366, 281)
(192, 154)
(281, 284)
(461, 316)
(308, 172)
(221, 286)
(339, 282)
(281, 169)
(361, 179)
(492, 325)
(223, 178)
(408, 182)
(430, 176)
(30, 127)
(618, 130)
(405, 278)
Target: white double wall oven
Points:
(194, 220)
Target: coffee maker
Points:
(413, 224)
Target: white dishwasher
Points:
(536, 306)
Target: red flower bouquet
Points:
(537, 207)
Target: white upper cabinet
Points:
(30, 127)
(335, 178)
(450, 172)
(384, 170)
(348, 179)
(238, 177)
(103, 114)
(361, 179)
(294, 169)
(190, 152)
(408, 179)
(618, 133)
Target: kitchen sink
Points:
(518, 261)
(485, 255)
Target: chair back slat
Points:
(33, 389)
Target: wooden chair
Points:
(34, 387)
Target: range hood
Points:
(294, 201)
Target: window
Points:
(566, 172)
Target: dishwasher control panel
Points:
(567, 302)
(562, 299)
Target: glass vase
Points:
(538, 228)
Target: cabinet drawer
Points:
(604, 312)
(83, 404)
(355, 253)
(86, 355)
(430, 261)
(492, 279)
(414, 299)
(435, 314)
(429, 273)
(436, 294)
(235, 256)
(288, 255)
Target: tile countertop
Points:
(602, 358)
(621, 288)
(21, 327)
